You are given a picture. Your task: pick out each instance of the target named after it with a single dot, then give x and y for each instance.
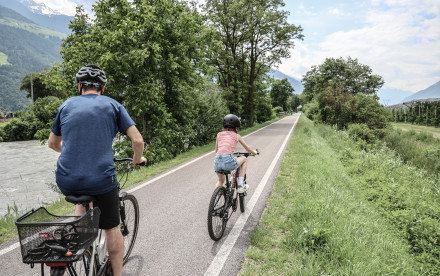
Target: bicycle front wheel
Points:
(129, 223)
(216, 214)
(242, 203)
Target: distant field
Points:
(4, 59)
(31, 28)
(435, 131)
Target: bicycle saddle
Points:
(224, 172)
(80, 199)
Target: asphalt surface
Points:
(173, 237)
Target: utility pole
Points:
(32, 89)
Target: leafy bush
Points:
(277, 109)
(34, 123)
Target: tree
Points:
(39, 88)
(153, 53)
(254, 36)
(294, 102)
(332, 87)
(280, 93)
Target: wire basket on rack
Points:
(45, 237)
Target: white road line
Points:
(222, 255)
(142, 185)
(9, 248)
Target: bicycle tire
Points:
(129, 209)
(81, 268)
(242, 204)
(57, 270)
(241, 198)
(216, 221)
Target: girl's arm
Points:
(246, 147)
(216, 144)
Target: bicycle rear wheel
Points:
(129, 223)
(216, 213)
(57, 271)
(83, 265)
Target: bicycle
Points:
(223, 201)
(75, 243)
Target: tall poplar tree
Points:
(255, 35)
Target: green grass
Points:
(435, 131)
(416, 145)
(8, 229)
(4, 59)
(320, 220)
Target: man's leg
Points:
(115, 247)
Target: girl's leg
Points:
(242, 163)
(220, 181)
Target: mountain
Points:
(390, 96)
(431, 92)
(25, 47)
(40, 14)
(296, 84)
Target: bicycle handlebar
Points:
(129, 160)
(245, 154)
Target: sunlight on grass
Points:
(435, 131)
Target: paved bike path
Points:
(173, 237)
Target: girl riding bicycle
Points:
(224, 148)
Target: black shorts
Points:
(109, 206)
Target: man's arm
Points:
(55, 142)
(137, 143)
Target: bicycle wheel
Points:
(83, 265)
(216, 213)
(241, 199)
(129, 223)
(57, 270)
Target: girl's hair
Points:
(234, 129)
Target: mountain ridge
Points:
(25, 47)
(35, 12)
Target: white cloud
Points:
(335, 11)
(400, 42)
(63, 6)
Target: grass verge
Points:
(8, 230)
(435, 131)
(319, 219)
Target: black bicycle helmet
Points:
(231, 121)
(91, 74)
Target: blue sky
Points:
(398, 39)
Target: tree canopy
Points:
(280, 92)
(340, 92)
(254, 35)
(153, 53)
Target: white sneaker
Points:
(243, 188)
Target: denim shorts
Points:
(225, 162)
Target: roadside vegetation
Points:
(435, 131)
(416, 146)
(341, 208)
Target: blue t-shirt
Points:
(88, 124)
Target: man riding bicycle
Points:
(83, 131)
